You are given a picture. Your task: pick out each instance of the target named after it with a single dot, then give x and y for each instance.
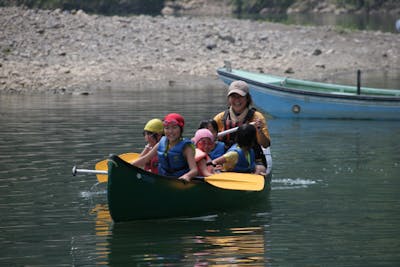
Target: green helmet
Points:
(154, 126)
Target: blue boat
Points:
(292, 98)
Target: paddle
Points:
(236, 181)
(224, 180)
(102, 165)
(75, 171)
(232, 130)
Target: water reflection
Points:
(199, 241)
(103, 224)
(206, 241)
(363, 21)
(103, 221)
(217, 240)
(385, 78)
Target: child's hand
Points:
(185, 179)
(218, 168)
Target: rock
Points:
(58, 52)
(289, 71)
(317, 52)
(211, 44)
(227, 37)
(168, 11)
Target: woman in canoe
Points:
(240, 157)
(204, 141)
(218, 147)
(152, 132)
(175, 154)
(239, 113)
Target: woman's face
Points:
(237, 102)
(172, 132)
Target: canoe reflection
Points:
(241, 246)
(219, 240)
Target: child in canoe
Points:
(152, 132)
(241, 157)
(218, 147)
(175, 154)
(204, 141)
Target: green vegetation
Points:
(154, 6)
(6, 50)
(255, 6)
(108, 7)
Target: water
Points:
(334, 200)
(363, 21)
(384, 78)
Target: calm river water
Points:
(335, 196)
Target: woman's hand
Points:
(258, 124)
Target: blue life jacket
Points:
(218, 150)
(243, 165)
(172, 162)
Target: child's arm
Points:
(228, 160)
(142, 160)
(202, 166)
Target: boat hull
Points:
(327, 102)
(134, 194)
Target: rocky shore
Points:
(44, 51)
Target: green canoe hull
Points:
(134, 194)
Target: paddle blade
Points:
(102, 165)
(237, 181)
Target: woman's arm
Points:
(263, 137)
(188, 152)
(218, 118)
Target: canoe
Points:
(135, 194)
(292, 98)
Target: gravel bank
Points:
(75, 53)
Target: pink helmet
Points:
(202, 133)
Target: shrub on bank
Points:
(107, 7)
